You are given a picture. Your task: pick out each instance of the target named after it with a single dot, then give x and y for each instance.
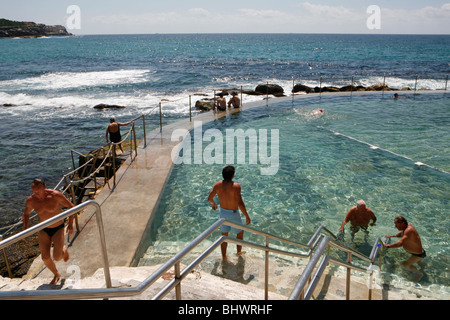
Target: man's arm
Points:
(107, 132)
(346, 220)
(26, 214)
(242, 206)
(374, 218)
(211, 197)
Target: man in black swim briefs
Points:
(113, 132)
(411, 242)
(48, 203)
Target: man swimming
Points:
(411, 242)
(47, 203)
(230, 198)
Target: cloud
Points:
(306, 17)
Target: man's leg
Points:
(240, 236)
(409, 265)
(224, 246)
(59, 249)
(45, 244)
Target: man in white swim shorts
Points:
(230, 199)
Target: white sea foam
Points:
(73, 80)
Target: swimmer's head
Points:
(228, 173)
(360, 203)
(112, 120)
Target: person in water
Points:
(230, 198)
(113, 132)
(221, 103)
(234, 101)
(411, 242)
(359, 216)
(48, 203)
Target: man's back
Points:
(228, 193)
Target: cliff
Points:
(17, 29)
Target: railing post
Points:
(145, 135)
(349, 260)
(242, 100)
(6, 260)
(351, 87)
(114, 163)
(178, 276)
(446, 82)
(266, 273)
(415, 85)
(160, 118)
(190, 108)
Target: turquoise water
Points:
(322, 175)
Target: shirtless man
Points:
(234, 101)
(410, 241)
(113, 131)
(230, 198)
(359, 217)
(221, 103)
(47, 204)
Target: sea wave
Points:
(78, 80)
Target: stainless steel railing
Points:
(315, 250)
(32, 230)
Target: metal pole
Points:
(101, 231)
(6, 261)
(145, 135)
(349, 260)
(178, 276)
(446, 82)
(320, 86)
(351, 88)
(190, 109)
(415, 85)
(266, 273)
(160, 118)
(384, 82)
(242, 100)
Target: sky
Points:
(231, 16)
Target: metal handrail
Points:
(175, 262)
(300, 293)
(32, 230)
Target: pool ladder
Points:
(303, 290)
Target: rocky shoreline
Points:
(275, 90)
(17, 29)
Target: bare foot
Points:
(224, 258)
(241, 253)
(55, 279)
(66, 254)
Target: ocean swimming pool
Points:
(321, 175)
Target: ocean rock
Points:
(204, 105)
(330, 89)
(302, 88)
(108, 106)
(348, 88)
(273, 89)
(378, 87)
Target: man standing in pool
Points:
(230, 199)
(359, 216)
(410, 241)
(47, 203)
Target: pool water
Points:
(321, 175)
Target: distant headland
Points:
(18, 29)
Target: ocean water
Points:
(322, 175)
(48, 87)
